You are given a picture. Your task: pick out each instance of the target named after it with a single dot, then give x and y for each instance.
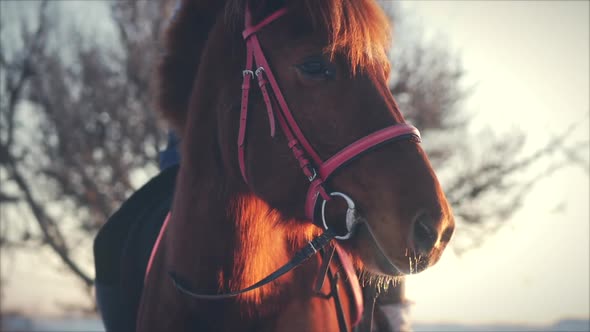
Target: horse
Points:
(297, 168)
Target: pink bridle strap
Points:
(247, 75)
(353, 282)
(250, 29)
(349, 153)
(276, 104)
(155, 248)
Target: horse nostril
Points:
(425, 235)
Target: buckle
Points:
(312, 176)
(258, 71)
(351, 217)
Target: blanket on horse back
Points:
(123, 246)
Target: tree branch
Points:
(48, 227)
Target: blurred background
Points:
(499, 90)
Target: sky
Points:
(529, 62)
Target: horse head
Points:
(326, 63)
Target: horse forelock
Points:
(357, 29)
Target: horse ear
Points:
(183, 41)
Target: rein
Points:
(312, 247)
(313, 167)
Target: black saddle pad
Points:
(123, 246)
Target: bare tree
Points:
(77, 129)
(77, 126)
(488, 181)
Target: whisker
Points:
(380, 282)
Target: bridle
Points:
(315, 169)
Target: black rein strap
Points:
(301, 256)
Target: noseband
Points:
(313, 167)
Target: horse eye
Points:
(317, 69)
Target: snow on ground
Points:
(22, 324)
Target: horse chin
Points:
(374, 259)
(380, 266)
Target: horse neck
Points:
(221, 237)
(264, 242)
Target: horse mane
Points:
(357, 29)
(255, 256)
